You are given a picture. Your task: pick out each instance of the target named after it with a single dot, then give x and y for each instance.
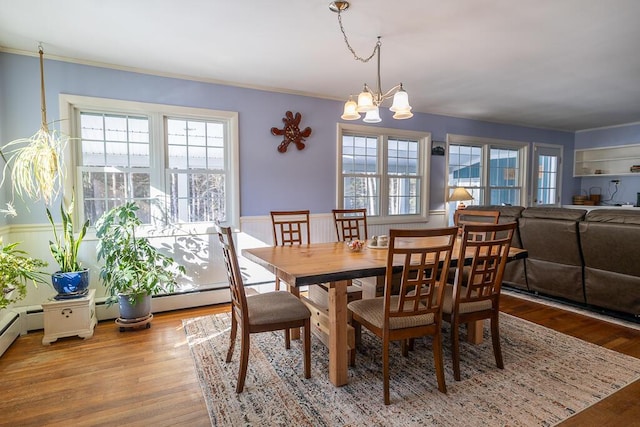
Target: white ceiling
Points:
(560, 64)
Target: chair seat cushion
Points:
(373, 311)
(467, 307)
(276, 307)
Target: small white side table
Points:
(66, 318)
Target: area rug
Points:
(547, 378)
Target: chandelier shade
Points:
(372, 116)
(350, 110)
(365, 101)
(369, 101)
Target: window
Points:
(491, 170)
(384, 171)
(178, 164)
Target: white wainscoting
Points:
(322, 228)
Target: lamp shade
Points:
(350, 112)
(365, 102)
(372, 116)
(401, 115)
(400, 101)
(460, 194)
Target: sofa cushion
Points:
(619, 216)
(555, 213)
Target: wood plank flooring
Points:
(146, 377)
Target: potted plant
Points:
(72, 280)
(16, 270)
(133, 269)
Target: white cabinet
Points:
(616, 160)
(67, 318)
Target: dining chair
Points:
(475, 292)
(271, 311)
(290, 228)
(416, 311)
(351, 224)
(471, 216)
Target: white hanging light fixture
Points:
(369, 101)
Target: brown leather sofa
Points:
(589, 259)
(554, 263)
(610, 241)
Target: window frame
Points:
(382, 135)
(486, 145)
(72, 105)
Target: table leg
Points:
(338, 349)
(294, 333)
(474, 331)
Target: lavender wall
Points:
(607, 137)
(269, 180)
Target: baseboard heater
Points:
(10, 330)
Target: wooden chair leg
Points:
(287, 339)
(352, 357)
(307, 348)
(495, 338)
(358, 331)
(277, 283)
(385, 371)
(455, 349)
(404, 346)
(439, 363)
(244, 360)
(232, 343)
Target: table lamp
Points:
(460, 194)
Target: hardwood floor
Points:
(146, 377)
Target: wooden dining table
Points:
(335, 266)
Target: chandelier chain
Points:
(346, 41)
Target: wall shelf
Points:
(610, 161)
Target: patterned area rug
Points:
(547, 378)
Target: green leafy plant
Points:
(16, 270)
(132, 266)
(65, 246)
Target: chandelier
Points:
(369, 101)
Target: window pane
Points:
(359, 154)
(195, 144)
(404, 189)
(362, 192)
(547, 179)
(465, 167)
(197, 197)
(504, 176)
(404, 196)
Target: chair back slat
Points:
(489, 257)
(290, 227)
(234, 275)
(425, 254)
(351, 224)
(475, 217)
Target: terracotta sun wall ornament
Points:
(291, 132)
